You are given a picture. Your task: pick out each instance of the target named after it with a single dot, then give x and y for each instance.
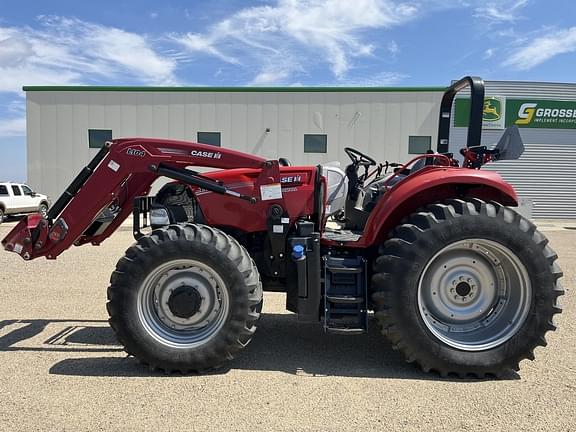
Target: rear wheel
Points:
(185, 298)
(467, 287)
(1, 215)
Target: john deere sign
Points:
(524, 113)
(492, 110)
(492, 117)
(541, 114)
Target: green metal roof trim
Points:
(230, 89)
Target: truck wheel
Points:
(1, 215)
(43, 210)
(185, 298)
(466, 288)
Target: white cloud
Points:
(270, 76)
(13, 50)
(70, 51)
(274, 73)
(13, 78)
(130, 52)
(502, 11)
(193, 42)
(543, 48)
(298, 34)
(381, 79)
(393, 47)
(12, 127)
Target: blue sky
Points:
(272, 42)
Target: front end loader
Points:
(457, 280)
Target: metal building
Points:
(66, 125)
(545, 175)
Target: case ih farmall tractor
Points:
(458, 281)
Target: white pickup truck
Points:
(17, 198)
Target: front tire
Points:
(185, 298)
(43, 210)
(466, 288)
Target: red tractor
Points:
(458, 281)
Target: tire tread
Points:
(394, 260)
(244, 317)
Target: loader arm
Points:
(121, 171)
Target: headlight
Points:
(159, 217)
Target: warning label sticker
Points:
(271, 191)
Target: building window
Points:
(210, 138)
(314, 143)
(419, 144)
(97, 137)
(16, 190)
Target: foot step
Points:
(345, 305)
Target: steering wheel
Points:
(358, 158)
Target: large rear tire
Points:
(466, 288)
(185, 298)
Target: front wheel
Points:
(43, 210)
(186, 297)
(467, 287)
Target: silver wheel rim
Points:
(474, 294)
(43, 211)
(167, 327)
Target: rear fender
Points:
(432, 186)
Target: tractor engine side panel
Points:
(297, 185)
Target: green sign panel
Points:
(524, 113)
(492, 110)
(492, 117)
(534, 113)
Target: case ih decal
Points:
(205, 154)
(285, 180)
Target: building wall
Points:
(545, 175)
(376, 122)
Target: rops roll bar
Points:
(476, 85)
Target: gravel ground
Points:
(61, 368)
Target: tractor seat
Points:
(336, 188)
(375, 190)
